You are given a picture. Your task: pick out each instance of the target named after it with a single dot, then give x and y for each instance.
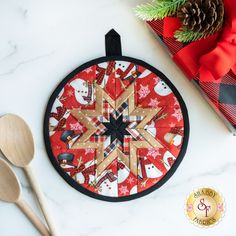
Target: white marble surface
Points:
(40, 43)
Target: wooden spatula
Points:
(17, 144)
(10, 191)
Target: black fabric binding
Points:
(113, 52)
(113, 43)
(72, 182)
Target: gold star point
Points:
(130, 161)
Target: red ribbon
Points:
(212, 58)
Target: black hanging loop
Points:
(113, 43)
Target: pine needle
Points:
(185, 36)
(158, 9)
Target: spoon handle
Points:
(32, 217)
(41, 199)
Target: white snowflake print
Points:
(172, 125)
(143, 91)
(154, 152)
(123, 190)
(178, 114)
(89, 150)
(76, 126)
(130, 180)
(153, 102)
(88, 70)
(70, 93)
(176, 102)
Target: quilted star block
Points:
(116, 128)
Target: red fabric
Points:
(110, 176)
(60, 113)
(211, 61)
(144, 162)
(148, 93)
(188, 57)
(171, 24)
(120, 165)
(212, 57)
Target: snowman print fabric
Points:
(116, 129)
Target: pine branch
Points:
(147, 11)
(185, 36)
(158, 9)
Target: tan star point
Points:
(130, 161)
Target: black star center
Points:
(116, 128)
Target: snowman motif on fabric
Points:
(148, 170)
(162, 89)
(133, 190)
(152, 129)
(87, 173)
(58, 114)
(65, 161)
(168, 159)
(69, 138)
(107, 184)
(123, 172)
(175, 136)
(103, 71)
(84, 91)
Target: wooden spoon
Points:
(17, 144)
(10, 191)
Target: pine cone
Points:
(203, 16)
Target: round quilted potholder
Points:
(116, 128)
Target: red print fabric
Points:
(116, 129)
